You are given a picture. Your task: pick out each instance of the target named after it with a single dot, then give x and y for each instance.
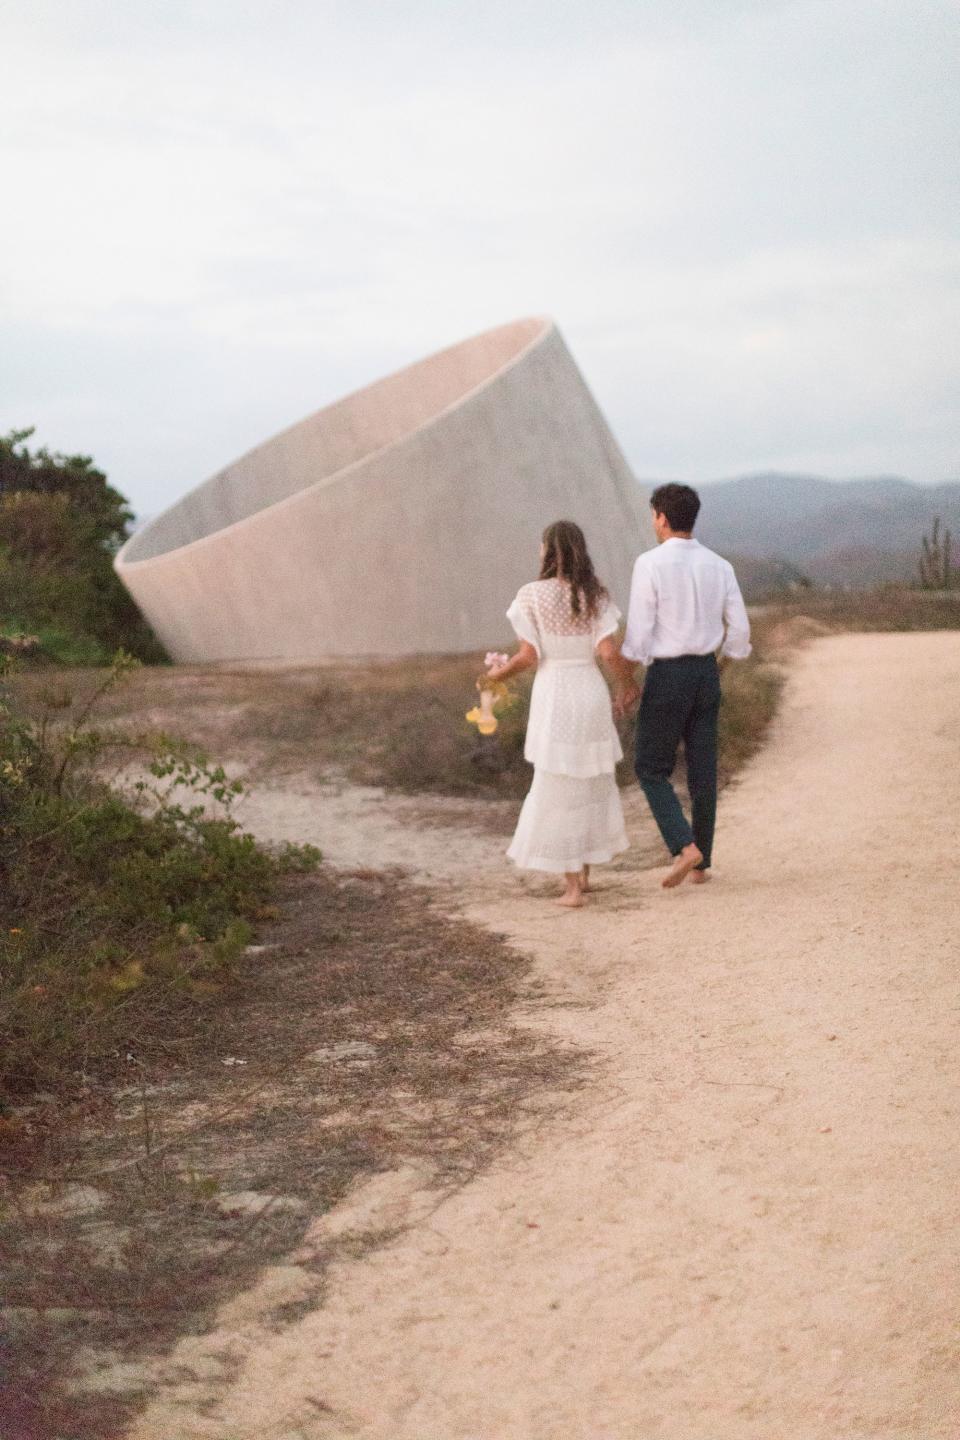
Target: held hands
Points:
(625, 699)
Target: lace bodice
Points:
(542, 615)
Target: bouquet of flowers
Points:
(492, 695)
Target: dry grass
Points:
(396, 724)
(361, 961)
(400, 724)
(891, 607)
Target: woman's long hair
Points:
(565, 556)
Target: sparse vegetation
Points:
(890, 607)
(113, 907)
(372, 1033)
(398, 724)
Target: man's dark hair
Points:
(680, 504)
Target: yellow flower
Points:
(486, 724)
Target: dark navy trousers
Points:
(681, 701)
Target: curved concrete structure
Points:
(400, 519)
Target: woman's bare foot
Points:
(572, 897)
(689, 857)
(699, 877)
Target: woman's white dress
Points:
(572, 815)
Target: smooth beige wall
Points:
(401, 519)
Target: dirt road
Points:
(746, 1227)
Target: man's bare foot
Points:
(689, 857)
(699, 877)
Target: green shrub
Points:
(114, 907)
(61, 524)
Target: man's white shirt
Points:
(685, 600)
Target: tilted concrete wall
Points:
(401, 519)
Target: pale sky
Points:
(219, 215)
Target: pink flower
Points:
(493, 659)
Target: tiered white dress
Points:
(572, 815)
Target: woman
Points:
(572, 817)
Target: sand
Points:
(745, 1227)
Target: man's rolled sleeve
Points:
(641, 614)
(737, 641)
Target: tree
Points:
(61, 523)
(102, 511)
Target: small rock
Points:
(251, 1202)
(56, 1200)
(346, 1050)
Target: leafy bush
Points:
(60, 526)
(114, 906)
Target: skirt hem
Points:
(557, 867)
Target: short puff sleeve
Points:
(607, 622)
(523, 618)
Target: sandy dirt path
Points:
(746, 1226)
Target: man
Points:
(685, 605)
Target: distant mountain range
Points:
(851, 533)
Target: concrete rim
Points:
(531, 332)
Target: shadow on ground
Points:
(364, 1031)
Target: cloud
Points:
(742, 217)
